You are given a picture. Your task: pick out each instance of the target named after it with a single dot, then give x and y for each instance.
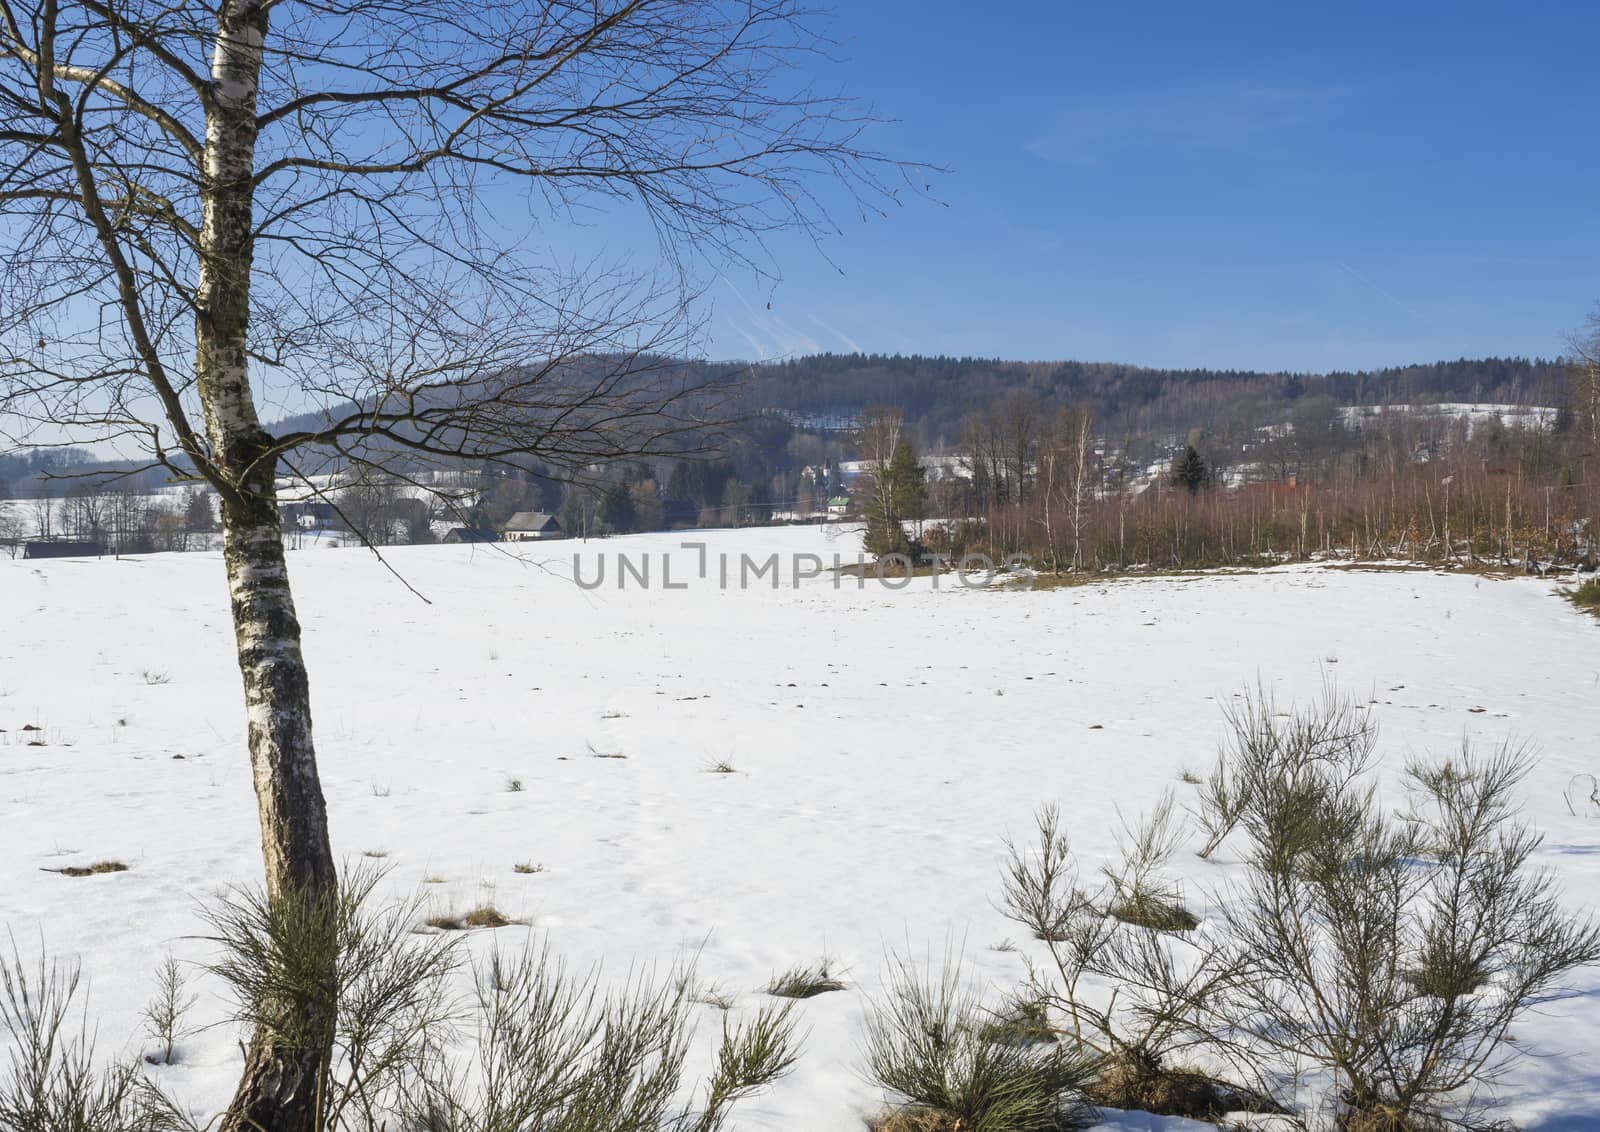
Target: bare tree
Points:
(1065, 455)
(11, 527)
(213, 211)
(43, 509)
(1584, 374)
(367, 498)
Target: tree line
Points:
(1052, 483)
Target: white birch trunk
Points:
(279, 1089)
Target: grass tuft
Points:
(1587, 596)
(487, 916)
(806, 981)
(483, 916)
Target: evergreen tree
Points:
(907, 482)
(197, 514)
(898, 494)
(616, 510)
(1191, 471)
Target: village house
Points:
(531, 526)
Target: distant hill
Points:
(824, 393)
(936, 392)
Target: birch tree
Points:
(1584, 374)
(213, 214)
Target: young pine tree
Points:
(898, 494)
(1191, 471)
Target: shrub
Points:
(1391, 951)
(52, 1083)
(1132, 931)
(535, 1047)
(548, 1050)
(284, 960)
(1587, 596)
(164, 1016)
(932, 1043)
(1282, 762)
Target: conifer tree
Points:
(1191, 471)
(616, 510)
(898, 488)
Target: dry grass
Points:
(91, 870)
(483, 916)
(1156, 914)
(1171, 1092)
(1382, 1118)
(914, 1120)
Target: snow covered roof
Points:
(530, 521)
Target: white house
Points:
(531, 526)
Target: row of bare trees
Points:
(122, 521)
(1421, 487)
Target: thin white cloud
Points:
(768, 334)
(758, 349)
(1185, 119)
(1381, 293)
(850, 343)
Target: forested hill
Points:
(936, 392)
(826, 391)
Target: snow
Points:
(883, 740)
(1474, 413)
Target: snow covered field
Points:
(882, 740)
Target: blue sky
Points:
(1264, 186)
